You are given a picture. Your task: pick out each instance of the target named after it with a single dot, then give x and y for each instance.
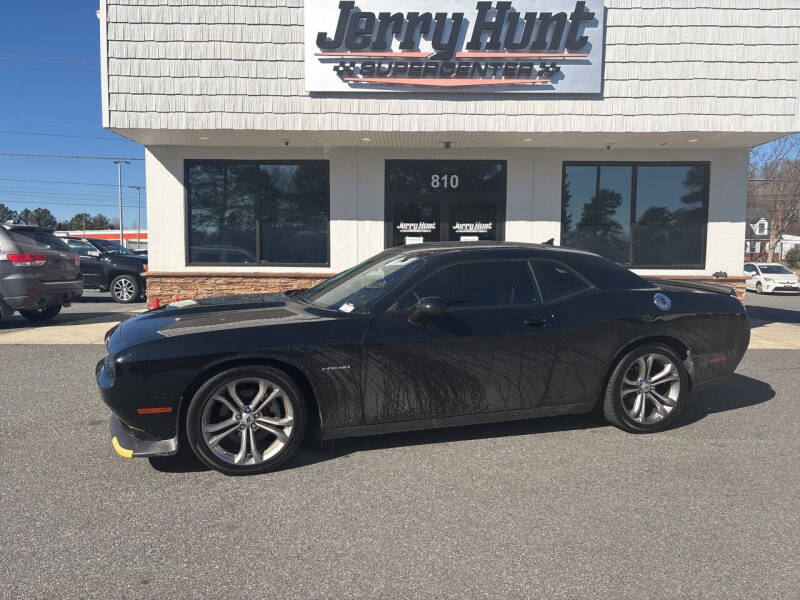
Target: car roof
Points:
(471, 247)
(23, 227)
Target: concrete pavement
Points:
(85, 322)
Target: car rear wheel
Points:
(42, 314)
(647, 389)
(246, 421)
(125, 289)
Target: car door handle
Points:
(535, 322)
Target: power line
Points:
(69, 191)
(54, 203)
(53, 59)
(63, 135)
(23, 155)
(50, 181)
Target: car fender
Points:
(223, 363)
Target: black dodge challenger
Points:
(424, 336)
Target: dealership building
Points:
(288, 140)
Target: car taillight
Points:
(27, 260)
(77, 261)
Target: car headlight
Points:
(110, 366)
(767, 278)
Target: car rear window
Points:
(30, 240)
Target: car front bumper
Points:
(128, 445)
(776, 286)
(128, 440)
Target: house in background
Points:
(756, 245)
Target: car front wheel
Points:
(759, 288)
(42, 314)
(647, 389)
(125, 289)
(247, 420)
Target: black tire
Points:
(210, 389)
(41, 315)
(125, 289)
(613, 408)
(759, 288)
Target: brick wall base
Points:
(185, 286)
(188, 286)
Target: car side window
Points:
(556, 280)
(489, 283)
(81, 248)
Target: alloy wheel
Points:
(248, 421)
(124, 289)
(650, 389)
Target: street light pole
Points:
(119, 164)
(139, 219)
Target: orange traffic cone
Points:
(156, 303)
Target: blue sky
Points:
(50, 89)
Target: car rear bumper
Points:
(31, 293)
(129, 445)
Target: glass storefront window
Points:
(258, 212)
(639, 215)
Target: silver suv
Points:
(39, 273)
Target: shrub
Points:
(793, 257)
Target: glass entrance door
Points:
(472, 221)
(431, 201)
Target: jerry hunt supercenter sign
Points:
(529, 46)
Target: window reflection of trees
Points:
(667, 231)
(289, 202)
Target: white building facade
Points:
(289, 140)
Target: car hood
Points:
(209, 315)
(128, 259)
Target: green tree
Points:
(6, 214)
(41, 217)
(85, 221)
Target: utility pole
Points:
(119, 164)
(139, 218)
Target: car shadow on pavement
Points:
(764, 315)
(735, 393)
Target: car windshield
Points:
(112, 247)
(355, 289)
(775, 270)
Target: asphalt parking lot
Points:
(559, 508)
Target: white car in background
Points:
(770, 277)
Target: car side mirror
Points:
(427, 307)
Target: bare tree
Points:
(774, 186)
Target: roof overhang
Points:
(457, 139)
